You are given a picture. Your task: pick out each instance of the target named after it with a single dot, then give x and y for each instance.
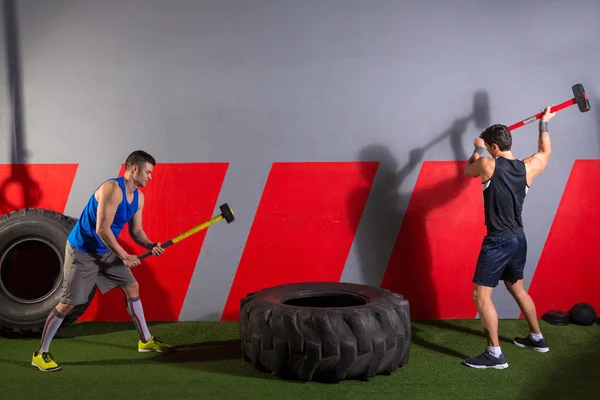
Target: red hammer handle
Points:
(537, 116)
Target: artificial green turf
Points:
(100, 361)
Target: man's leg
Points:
(488, 315)
(535, 340)
(78, 281)
(136, 311)
(525, 303)
(115, 274)
(42, 358)
(490, 265)
(147, 342)
(53, 322)
(513, 279)
(493, 356)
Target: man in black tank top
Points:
(505, 181)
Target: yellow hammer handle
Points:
(197, 228)
(179, 238)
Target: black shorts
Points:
(501, 258)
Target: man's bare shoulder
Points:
(109, 191)
(479, 167)
(141, 199)
(535, 163)
(487, 163)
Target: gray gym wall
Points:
(250, 82)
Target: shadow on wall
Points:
(375, 238)
(410, 272)
(19, 184)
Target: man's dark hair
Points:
(139, 158)
(497, 134)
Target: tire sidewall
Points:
(277, 295)
(54, 232)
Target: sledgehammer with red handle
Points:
(581, 99)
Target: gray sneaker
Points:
(487, 360)
(528, 343)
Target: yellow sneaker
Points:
(44, 362)
(155, 344)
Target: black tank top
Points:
(503, 197)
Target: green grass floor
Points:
(100, 361)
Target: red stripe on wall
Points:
(434, 258)
(179, 197)
(304, 226)
(567, 272)
(35, 185)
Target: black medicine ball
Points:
(583, 314)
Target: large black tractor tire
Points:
(325, 331)
(32, 250)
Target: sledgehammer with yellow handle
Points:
(226, 214)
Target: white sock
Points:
(134, 307)
(495, 351)
(536, 336)
(53, 322)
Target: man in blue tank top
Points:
(93, 256)
(505, 182)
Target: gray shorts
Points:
(82, 271)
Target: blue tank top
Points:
(84, 237)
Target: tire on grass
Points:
(32, 249)
(325, 331)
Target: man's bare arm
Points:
(136, 229)
(538, 161)
(109, 198)
(137, 233)
(475, 166)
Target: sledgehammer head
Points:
(227, 213)
(581, 98)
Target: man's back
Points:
(503, 197)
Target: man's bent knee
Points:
(64, 308)
(481, 293)
(514, 287)
(132, 290)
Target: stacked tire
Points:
(325, 331)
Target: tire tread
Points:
(326, 345)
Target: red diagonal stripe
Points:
(434, 258)
(35, 185)
(179, 197)
(567, 272)
(304, 226)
